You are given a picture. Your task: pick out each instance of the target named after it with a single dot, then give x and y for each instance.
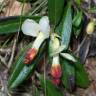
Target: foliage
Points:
(73, 72)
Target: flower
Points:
(31, 53)
(41, 31)
(90, 27)
(56, 70)
(56, 81)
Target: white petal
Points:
(30, 27)
(44, 25)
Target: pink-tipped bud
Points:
(56, 73)
(56, 81)
(31, 53)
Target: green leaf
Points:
(18, 65)
(51, 90)
(77, 31)
(82, 79)
(68, 57)
(68, 75)
(78, 2)
(55, 9)
(77, 19)
(65, 27)
(37, 93)
(21, 71)
(12, 24)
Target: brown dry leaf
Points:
(15, 8)
(91, 68)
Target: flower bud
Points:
(90, 27)
(56, 70)
(56, 81)
(31, 53)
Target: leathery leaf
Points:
(51, 89)
(55, 9)
(21, 71)
(12, 24)
(65, 27)
(68, 75)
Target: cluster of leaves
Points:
(73, 73)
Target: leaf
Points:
(77, 31)
(77, 19)
(65, 27)
(78, 2)
(12, 24)
(37, 93)
(51, 90)
(81, 76)
(55, 9)
(82, 79)
(68, 57)
(18, 65)
(68, 75)
(21, 71)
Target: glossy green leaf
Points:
(18, 65)
(21, 71)
(12, 24)
(68, 57)
(68, 75)
(77, 19)
(78, 2)
(81, 76)
(51, 90)
(82, 79)
(65, 27)
(55, 9)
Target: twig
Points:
(12, 54)
(5, 50)
(16, 39)
(3, 62)
(44, 2)
(80, 45)
(4, 83)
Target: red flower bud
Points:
(31, 53)
(56, 81)
(56, 73)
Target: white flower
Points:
(40, 30)
(32, 28)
